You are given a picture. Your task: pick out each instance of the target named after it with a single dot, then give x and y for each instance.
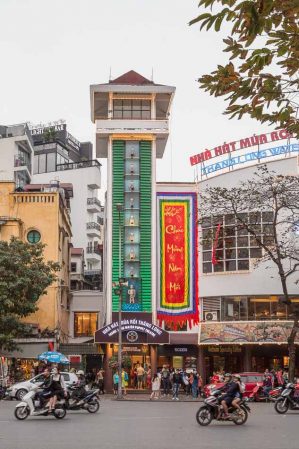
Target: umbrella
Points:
(53, 357)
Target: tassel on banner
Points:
(177, 321)
(215, 261)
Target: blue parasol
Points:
(53, 357)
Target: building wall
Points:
(256, 281)
(86, 301)
(28, 211)
(80, 179)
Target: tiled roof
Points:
(132, 78)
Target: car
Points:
(250, 379)
(19, 389)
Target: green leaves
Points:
(264, 35)
(24, 277)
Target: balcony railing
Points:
(93, 250)
(91, 201)
(76, 165)
(92, 272)
(21, 161)
(93, 225)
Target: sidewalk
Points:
(146, 398)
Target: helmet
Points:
(80, 372)
(237, 376)
(228, 375)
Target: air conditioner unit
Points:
(211, 316)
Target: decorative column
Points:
(247, 358)
(108, 380)
(154, 358)
(201, 366)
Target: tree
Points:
(24, 277)
(263, 42)
(265, 192)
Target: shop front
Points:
(245, 346)
(140, 340)
(182, 357)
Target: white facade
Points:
(86, 209)
(255, 281)
(85, 301)
(16, 154)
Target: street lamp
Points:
(119, 208)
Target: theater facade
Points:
(177, 307)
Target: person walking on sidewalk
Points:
(115, 382)
(155, 387)
(166, 380)
(176, 382)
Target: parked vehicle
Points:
(31, 405)
(89, 401)
(258, 393)
(249, 379)
(289, 399)
(18, 390)
(212, 406)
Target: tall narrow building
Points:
(131, 119)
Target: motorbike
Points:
(89, 401)
(33, 406)
(212, 406)
(258, 394)
(289, 399)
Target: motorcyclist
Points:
(45, 394)
(239, 394)
(80, 391)
(231, 388)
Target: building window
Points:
(132, 109)
(243, 308)
(234, 246)
(86, 324)
(33, 236)
(73, 267)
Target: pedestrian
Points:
(166, 380)
(140, 374)
(124, 381)
(115, 382)
(176, 382)
(155, 382)
(194, 386)
(100, 380)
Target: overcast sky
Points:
(52, 50)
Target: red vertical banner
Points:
(178, 301)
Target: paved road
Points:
(147, 425)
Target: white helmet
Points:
(80, 372)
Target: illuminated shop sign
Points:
(245, 152)
(248, 157)
(233, 146)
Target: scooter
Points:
(212, 406)
(89, 401)
(258, 394)
(289, 399)
(32, 406)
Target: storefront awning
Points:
(136, 328)
(245, 332)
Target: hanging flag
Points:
(178, 260)
(215, 245)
